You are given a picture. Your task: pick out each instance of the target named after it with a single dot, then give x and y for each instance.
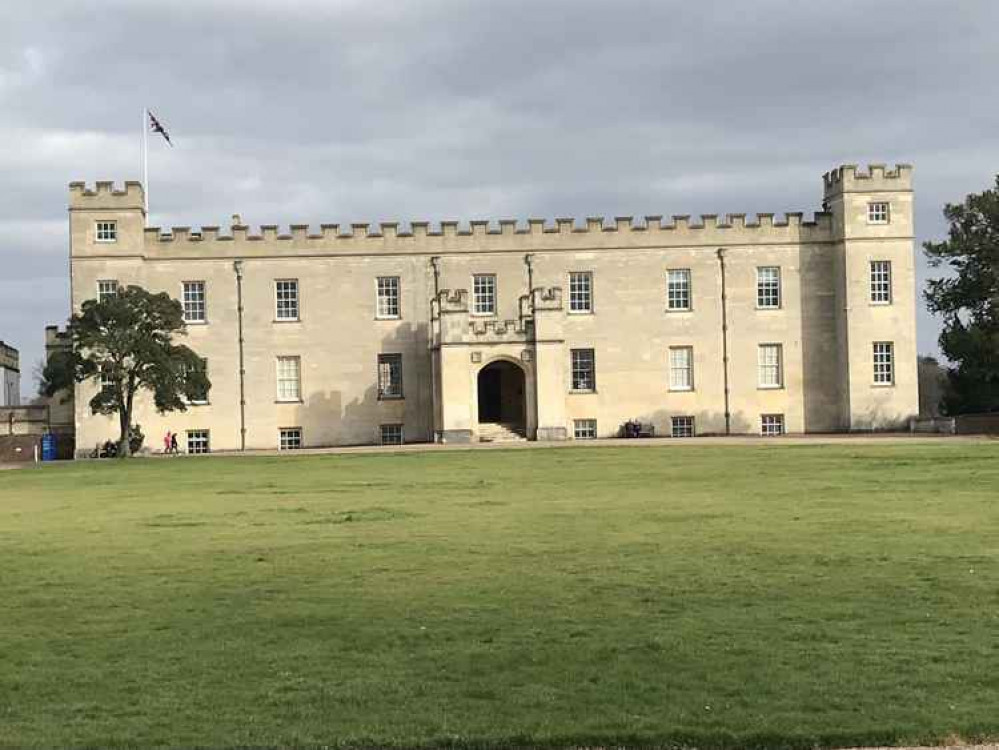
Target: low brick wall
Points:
(17, 448)
(977, 424)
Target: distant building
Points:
(551, 331)
(10, 376)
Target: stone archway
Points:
(502, 394)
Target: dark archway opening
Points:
(502, 396)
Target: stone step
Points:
(496, 432)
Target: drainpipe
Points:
(237, 266)
(435, 263)
(724, 332)
(529, 262)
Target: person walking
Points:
(166, 443)
(173, 444)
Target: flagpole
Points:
(145, 162)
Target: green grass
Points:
(711, 595)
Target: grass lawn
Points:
(711, 595)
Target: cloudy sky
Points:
(296, 111)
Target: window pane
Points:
(194, 301)
(388, 297)
(682, 427)
(197, 441)
(287, 299)
(106, 231)
(678, 289)
(770, 366)
(389, 376)
(681, 368)
(768, 287)
(584, 429)
(877, 213)
(290, 438)
(484, 294)
(881, 281)
(106, 288)
(288, 379)
(772, 424)
(581, 292)
(583, 370)
(391, 434)
(884, 363)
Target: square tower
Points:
(875, 294)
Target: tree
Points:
(125, 343)
(969, 302)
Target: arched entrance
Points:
(502, 395)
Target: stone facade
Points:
(10, 376)
(792, 346)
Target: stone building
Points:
(10, 376)
(564, 330)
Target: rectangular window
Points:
(289, 379)
(106, 231)
(681, 368)
(877, 213)
(391, 434)
(286, 294)
(884, 363)
(201, 396)
(768, 287)
(881, 282)
(678, 289)
(771, 424)
(581, 292)
(584, 429)
(771, 365)
(682, 427)
(584, 374)
(389, 376)
(106, 288)
(290, 438)
(194, 301)
(484, 294)
(107, 381)
(197, 441)
(388, 297)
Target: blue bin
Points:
(48, 447)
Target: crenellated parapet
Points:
(500, 330)
(547, 298)
(452, 300)
(878, 178)
(105, 195)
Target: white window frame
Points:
(679, 295)
(192, 303)
(879, 212)
(391, 433)
(584, 429)
(288, 369)
(881, 282)
(772, 425)
(287, 299)
(883, 354)
(289, 438)
(106, 288)
(767, 365)
(106, 231)
(198, 441)
(484, 294)
(769, 294)
(682, 426)
(577, 358)
(580, 292)
(390, 388)
(106, 380)
(387, 298)
(681, 368)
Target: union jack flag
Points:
(155, 127)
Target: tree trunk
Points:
(124, 444)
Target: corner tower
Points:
(875, 293)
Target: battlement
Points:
(105, 195)
(649, 225)
(847, 179)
